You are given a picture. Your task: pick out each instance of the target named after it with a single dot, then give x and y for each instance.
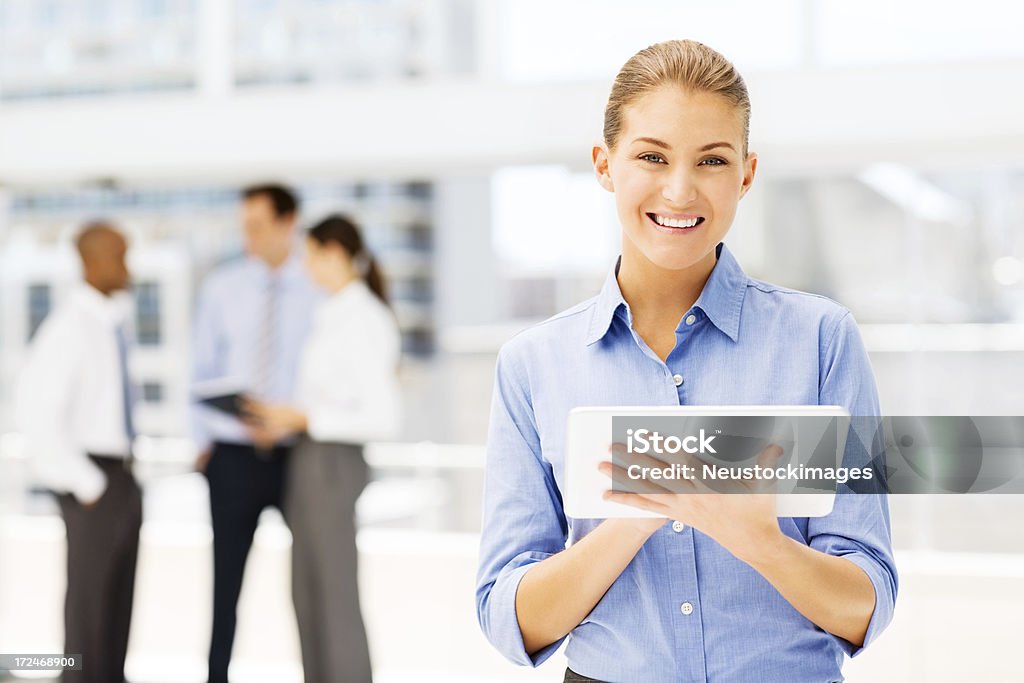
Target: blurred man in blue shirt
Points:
(252, 318)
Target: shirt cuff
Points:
(504, 632)
(90, 487)
(201, 438)
(884, 602)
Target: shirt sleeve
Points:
(858, 528)
(523, 521)
(364, 404)
(45, 394)
(205, 360)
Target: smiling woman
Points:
(730, 591)
(677, 170)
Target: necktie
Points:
(267, 351)
(267, 340)
(126, 389)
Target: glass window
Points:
(147, 313)
(39, 304)
(152, 392)
(72, 48)
(47, 13)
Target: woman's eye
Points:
(652, 157)
(714, 161)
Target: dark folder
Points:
(226, 403)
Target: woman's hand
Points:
(832, 592)
(278, 419)
(740, 515)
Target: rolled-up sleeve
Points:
(858, 528)
(523, 522)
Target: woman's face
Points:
(325, 263)
(677, 172)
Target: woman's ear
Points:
(599, 157)
(339, 255)
(749, 169)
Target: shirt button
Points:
(678, 379)
(686, 608)
(691, 319)
(678, 526)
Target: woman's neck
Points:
(659, 297)
(653, 291)
(342, 281)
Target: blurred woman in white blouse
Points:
(347, 394)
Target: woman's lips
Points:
(675, 225)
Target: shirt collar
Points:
(110, 309)
(722, 297)
(608, 302)
(342, 299)
(720, 300)
(291, 269)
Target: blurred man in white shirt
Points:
(74, 408)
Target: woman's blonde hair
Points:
(686, 63)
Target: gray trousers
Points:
(103, 545)
(322, 485)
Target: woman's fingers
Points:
(256, 412)
(768, 459)
(672, 475)
(770, 456)
(638, 501)
(684, 473)
(621, 481)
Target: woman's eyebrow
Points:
(711, 146)
(654, 141)
(665, 145)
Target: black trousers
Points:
(242, 484)
(103, 547)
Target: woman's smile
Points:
(675, 224)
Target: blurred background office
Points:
(458, 133)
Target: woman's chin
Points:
(677, 254)
(676, 259)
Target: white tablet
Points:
(813, 439)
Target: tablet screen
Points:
(680, 449)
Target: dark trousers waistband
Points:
(278, 451)
(109, 463)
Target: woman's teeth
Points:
(675, 223)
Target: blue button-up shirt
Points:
(231, 312)
(747, 343)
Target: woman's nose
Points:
(680, 188)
